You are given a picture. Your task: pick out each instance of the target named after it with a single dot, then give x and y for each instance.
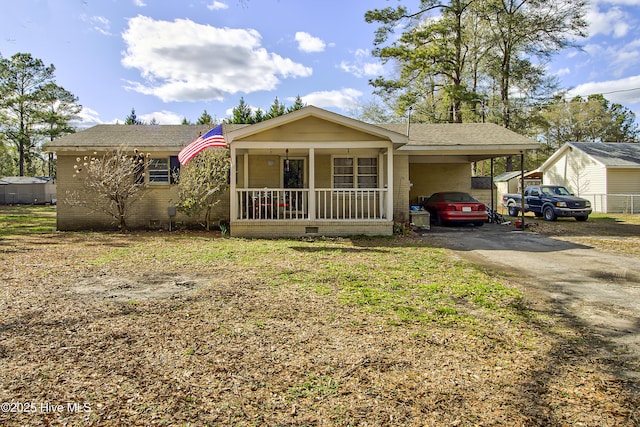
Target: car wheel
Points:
(438, 219)
(478, 223)
(549, 214)
(513, 210)
(582, 218)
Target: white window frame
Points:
(159, 176)
(355, 171)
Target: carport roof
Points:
(456, 137)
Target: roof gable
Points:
(608, 154)
(314, 124)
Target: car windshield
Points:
(552, 191)
(458, 197)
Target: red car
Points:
(455, 207)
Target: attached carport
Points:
(440, 156)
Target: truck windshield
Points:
(553, 191)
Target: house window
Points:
(355, 172)
(174, 169)
(159, 170)
(343, 172)
(368, 172)
(164, 170)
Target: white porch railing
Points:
(356, 204)
(330, 204)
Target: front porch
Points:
(282, 212)
(312, 172)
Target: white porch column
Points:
(233, 196)
(312, 184)
(390, 183)
(245, 169)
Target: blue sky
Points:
(174, 59)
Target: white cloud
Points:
(618, 2)
(308, 43)
(611, 22)
(186, 61)
(343, 99)
(563, 72)
(615, 59)
(87, 118)
(98, 23)
(139, 3)
(217, 5)
(162, 118)
(360, 67)
(624, 91)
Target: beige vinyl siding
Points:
(264, 171)
(578, 172)
(311, 129)
(624, 181)
(323, 171)
(623, 190)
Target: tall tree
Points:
(132, 118)
(297, 105)
(26, 89)
(205, 119)
(431, 54)
(276, 109)
(591, 119)
(61, 108)
(522, 29)
(241, 114)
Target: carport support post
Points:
(491, 188)
(522, 189)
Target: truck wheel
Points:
(549, 214)
(582, 218)
(513, 210)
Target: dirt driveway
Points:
(598, 289)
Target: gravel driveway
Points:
(598, 289)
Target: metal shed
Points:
(27, 190)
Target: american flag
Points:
(213, 138)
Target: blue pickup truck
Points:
(548, 202)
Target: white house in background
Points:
(608, 174)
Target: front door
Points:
(293, 173)
(293, 177)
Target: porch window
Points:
(355, 172)
(368, 172)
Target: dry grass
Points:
(195, 329)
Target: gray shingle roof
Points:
(616, 154)
(172, 137)
(456, 134)
(24, 180)
(175, 137)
